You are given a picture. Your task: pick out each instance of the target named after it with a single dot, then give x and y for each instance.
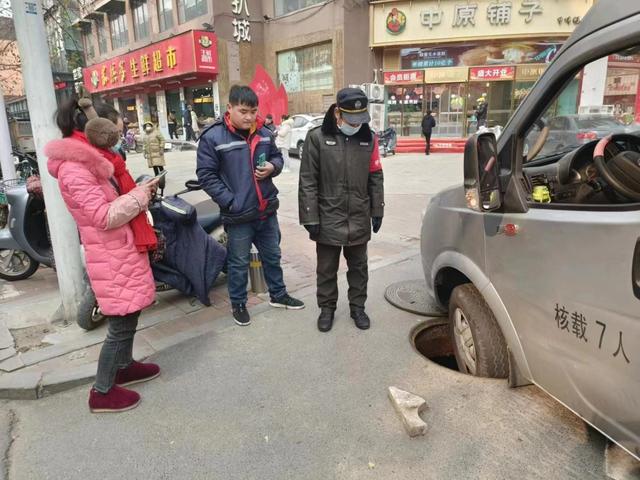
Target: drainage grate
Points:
(411, 295)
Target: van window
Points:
(602, 99)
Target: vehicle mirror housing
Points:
(481, 173)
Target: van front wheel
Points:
(479, 345)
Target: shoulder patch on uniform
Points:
(332, 143)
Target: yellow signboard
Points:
(530, 72)
(433, 21)
(446, 75)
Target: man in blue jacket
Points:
(237, 158)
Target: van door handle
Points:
(635, 270)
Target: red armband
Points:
(375, 165)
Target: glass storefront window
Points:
(128, 109)
(306, 69)
(404, 107)
(448, 101)
(190, 9)
(101, 32)
(499, 98)
(202, 100)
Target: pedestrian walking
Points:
(268, 123)
(283, 141)
(153, 148)
(428, 124)
(110, 211)
(173, 125)
(341, 197)
(237, 159)
(187, 123)
(482, 112)
(195, 126)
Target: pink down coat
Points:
(120, 275)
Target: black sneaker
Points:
(360, 318)
(241, 316)
(287, 302)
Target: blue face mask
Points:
(349, 130)
(118, 145)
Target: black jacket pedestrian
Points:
(341, 183)
(186, 118)
(428, 124)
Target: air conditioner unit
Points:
(377, 111)
(374, 91)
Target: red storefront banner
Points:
(404, 77)
(492, 73)
(191, 52)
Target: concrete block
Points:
(61, 380)
(12, 364)
(20, 385)
(409, 407)
(7, 353)
(6, 339)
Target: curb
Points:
(29, 385)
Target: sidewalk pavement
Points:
(280, 400)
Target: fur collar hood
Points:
(75, 150)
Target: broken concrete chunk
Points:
(409, 407)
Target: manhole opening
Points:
(434, 343)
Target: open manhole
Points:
(411, 296)
(432, 340)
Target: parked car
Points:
(572, 130)
(537, 257)
(301, 126)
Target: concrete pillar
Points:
(594, 82)
(163, 124)
(38, 82)
(116, 105)
(183, 106)
(215, 92)
(142, 109)
(6, 158)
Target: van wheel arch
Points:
(446, 280)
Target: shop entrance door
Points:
(498, 94)
(405, 109)
(448, 101)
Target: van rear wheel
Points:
(478, 343)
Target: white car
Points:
(301, 126)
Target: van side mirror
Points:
(481, 173)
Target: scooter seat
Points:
(210, 221)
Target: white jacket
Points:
(283, 140)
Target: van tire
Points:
(470, 314)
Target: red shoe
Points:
(136, 373)
(116, 400)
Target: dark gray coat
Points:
(341, 184)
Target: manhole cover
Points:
(411, 295)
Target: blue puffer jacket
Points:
(226, 166)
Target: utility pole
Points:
(38, 81)
(6, 159)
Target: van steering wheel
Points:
(622, 170)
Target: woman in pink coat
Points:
(110, 212)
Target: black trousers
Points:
(157, 170)
(190, 134)
(427, 137)
(327, 274)
(172, 131)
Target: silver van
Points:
(537, 254)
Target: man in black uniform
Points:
(341, 197)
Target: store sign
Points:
(241, 26)
(480, 53)
(446, 75)
(633, 59)
(60, 85)
(190, 52)
(530, 72)
(422, 21)
(622, 85)
(402, 77)
(492, 73)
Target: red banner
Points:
(190, 52)
(492, 73)
(271, 100)
(403, 77)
